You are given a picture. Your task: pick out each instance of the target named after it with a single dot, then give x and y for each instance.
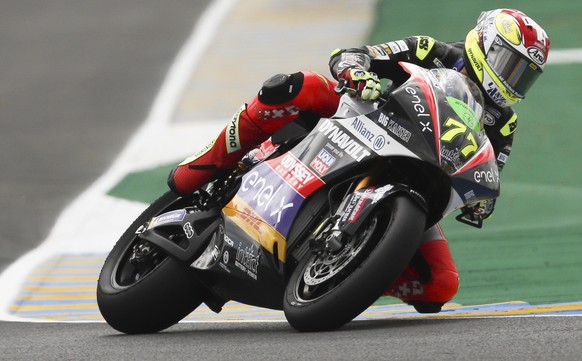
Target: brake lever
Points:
(342, 88)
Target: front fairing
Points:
(446, 108)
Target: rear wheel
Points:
(140, 288)
(330, 288)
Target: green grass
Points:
(144, 186)
(450, 20)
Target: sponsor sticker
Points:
(399, 131)
(200, 153)
(488, 118)
(232, 133)
(296, 174)
(173, 216)
(424, 46)
(266, 198)
(247, 260)
(344, 141)
(486, 176)
(510, 126)
(322, 162)
(536, 55)
(188, 230)
(394, 48)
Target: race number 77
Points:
(456, 128)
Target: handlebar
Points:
(342, 88)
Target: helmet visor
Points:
(516, 71)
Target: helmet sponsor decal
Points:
(508, 28)
(536, 55)
(474, 54)
(493, 91)
(496, 90)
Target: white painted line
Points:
(565, 56)
(158, 119)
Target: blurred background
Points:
(76, 80)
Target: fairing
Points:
(454, 106)
(431, 121)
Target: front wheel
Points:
(328, 289)
(140, 288)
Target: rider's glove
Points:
(479, 210)
(365, 83)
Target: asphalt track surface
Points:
(77, 80)
(461, 339)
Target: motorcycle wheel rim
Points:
(324, 272)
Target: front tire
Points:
(326, 291)
(150, 295)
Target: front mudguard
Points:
(357, 206)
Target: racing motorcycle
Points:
(318, 223)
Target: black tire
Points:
(151, 297)
(389, 243)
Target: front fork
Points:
(353, 211)
(328, 235)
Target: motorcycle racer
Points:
(504, 54)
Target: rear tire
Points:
(387, 242)
(150, 296)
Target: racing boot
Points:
(281, 100)
(431, 278)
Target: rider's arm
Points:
(383, 59)
(500, 126)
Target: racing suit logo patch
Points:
(232, 133)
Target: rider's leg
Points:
(431, 278)
(279, 102)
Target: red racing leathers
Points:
(281, 100)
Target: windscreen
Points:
(463, 95)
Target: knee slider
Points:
(281, 88)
